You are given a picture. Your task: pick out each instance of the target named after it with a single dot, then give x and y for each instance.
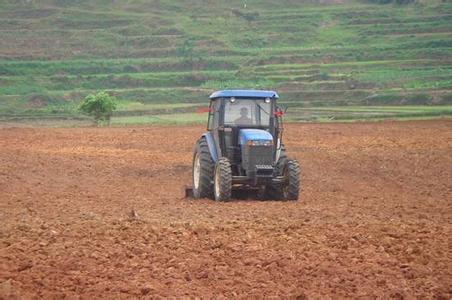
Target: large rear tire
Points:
(223, 180)
(203, 171)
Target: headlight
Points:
(260, 143)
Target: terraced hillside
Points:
(331, 60)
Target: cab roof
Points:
(244, 94)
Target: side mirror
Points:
(279, 112)
(202, 110)
(283, 108)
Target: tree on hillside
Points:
(100, 106)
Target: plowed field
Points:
(99, 212)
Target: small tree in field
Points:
(100, 106)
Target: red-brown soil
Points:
(374, 218)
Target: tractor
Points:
(243, 149)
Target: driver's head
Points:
(244, 112)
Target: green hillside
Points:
(330, 60)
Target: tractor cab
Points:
(242, 148)
(246, 127)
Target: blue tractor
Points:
(243, 149)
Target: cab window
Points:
(246, 112)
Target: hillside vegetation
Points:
(329, 60)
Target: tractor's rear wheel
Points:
(223, 180)
(203, 170)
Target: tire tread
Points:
(294, 180)
(224, 166)
(207, 170)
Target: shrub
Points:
(100, 106)
(186, 50)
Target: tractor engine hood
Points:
(254, 135)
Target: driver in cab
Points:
(244, 119)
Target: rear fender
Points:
(212, 148)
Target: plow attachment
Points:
(189, 192)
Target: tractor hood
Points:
(246, 135)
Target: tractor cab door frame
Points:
(213, 124)
(225, 137)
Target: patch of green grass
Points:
(330, 114)
(134, 106)
(163, 119)
(403, 74)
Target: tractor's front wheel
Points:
(203, 170)
(291, 187)
(223, 180)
